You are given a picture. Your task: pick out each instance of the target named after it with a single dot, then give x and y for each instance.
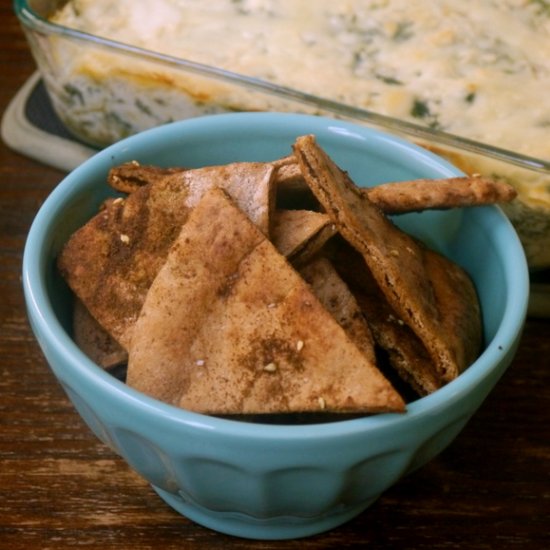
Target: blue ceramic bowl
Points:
(275, 481)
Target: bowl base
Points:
(273, 528)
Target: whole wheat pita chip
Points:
(417, 293)
(229, 327)
(424, 194)
(94, 341)
(300, 234)
(337, 299)
(112, 260)
(130, 176)
(457, 300)
(405, 352)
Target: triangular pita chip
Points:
(337, 299)
(111, 261)
(398, 263)
(130, 176)
(300, 233)
(94, 341)
(229, 327)
(405, 351)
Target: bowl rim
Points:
(50, 332)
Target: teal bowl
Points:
(275, 481)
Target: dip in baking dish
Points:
(475, 69)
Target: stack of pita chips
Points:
(223, 300)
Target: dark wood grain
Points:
(61, 488)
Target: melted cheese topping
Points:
(476, 68)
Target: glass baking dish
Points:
(160, 88)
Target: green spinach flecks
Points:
(421, 110)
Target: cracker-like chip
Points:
(130, 176)
(229, 327)
(423, 194)
(112, 260)
(300, 234)
(94, 341)
(337, 299)
(417, 292)
(406, 353)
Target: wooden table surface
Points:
(61, 488)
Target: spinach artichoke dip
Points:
(478, 69)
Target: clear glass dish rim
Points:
(34, 21)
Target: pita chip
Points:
(423, 194)
(130, 176)
(405, 352)
(300, 233)
(94, 341)
(337, 299)
(112, 260)
(414, 284)
(229, 327)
